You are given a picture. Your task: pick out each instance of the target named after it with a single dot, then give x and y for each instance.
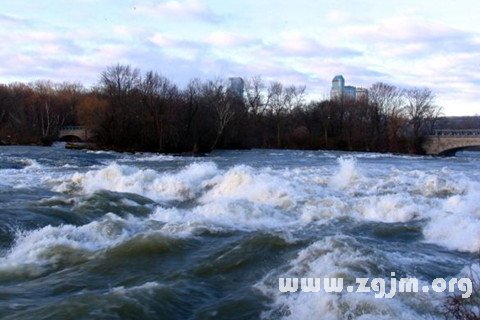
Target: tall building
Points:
(338, 84)
(340, 91)
(237, 86)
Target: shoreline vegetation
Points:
(130, 111)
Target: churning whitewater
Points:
(106, 235)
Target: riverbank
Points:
(94, 147)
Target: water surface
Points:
(103, 235)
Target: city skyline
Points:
(432, 44)
(340, 91)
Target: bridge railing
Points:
(71, 128)
(457, 133)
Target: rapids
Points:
(104, 235)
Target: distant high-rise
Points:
(340, 91)
(237, 86)
(338, 84)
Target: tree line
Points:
(133, 111)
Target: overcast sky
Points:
(424, 43)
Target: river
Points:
(104, 235)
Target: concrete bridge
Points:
(448, 142)
(75, 134)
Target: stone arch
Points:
(71, 138)
(449, 145)
(452, 151)
(69, 132)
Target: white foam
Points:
(335, 257)
(182, 185)
(37, 251)
(30, 176)
(347, 174)
(387, 208)
(242, 182)
(319, 209)
(239, 215)
(245, 197)
(202, 182)
(155, 157)
(100, 152)
(457, 225)
(441, 183)
(31, 164)
(34, 250)
(147, 287)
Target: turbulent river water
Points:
(103, 235)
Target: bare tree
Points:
(294, 97)
(69, 95)
(422, 113)
(215, 93)
(50, 119)
(282, 100)
(120, 79)
(4, 98)
(158, 94)
(421, 110)
(256, 98)
(389, 102)
(387, 98)
(120, 84)
(191, 96)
